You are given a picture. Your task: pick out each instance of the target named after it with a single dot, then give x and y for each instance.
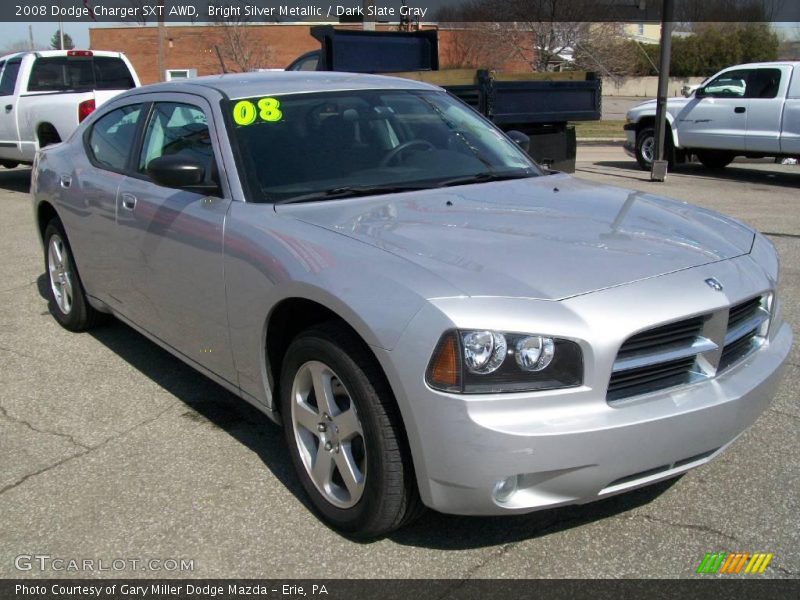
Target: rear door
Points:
(718, 117)
(790, 129)
(170, 240)
(9, 133)
(90, 191)
(766, 91)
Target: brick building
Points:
(210, 49)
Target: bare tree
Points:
(473, 46)
(239, 49)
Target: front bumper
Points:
(630, 139)
(571, 446)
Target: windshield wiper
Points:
(350, 191)
(483, 178)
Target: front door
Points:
(716, 117)
(171, 240)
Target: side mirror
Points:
(181, 172)
(520, 139)
(700, 92)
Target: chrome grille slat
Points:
(746, 326)
(664, 354)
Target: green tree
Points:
(55, 41)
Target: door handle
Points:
(128, 201)
(65, 181)
(739, 109)
(9, 107)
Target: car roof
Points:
(248, 85)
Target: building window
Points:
(181, 74)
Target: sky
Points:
(42, 32)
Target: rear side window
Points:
(111, 137)
(764, 83)
(8, 80)
(79, 73)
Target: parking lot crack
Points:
(495, 555)
(690, 526)
(86, 449)
(70, 438)
(18, 287)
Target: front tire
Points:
(345, 434)
(65, 291)
(646, 147)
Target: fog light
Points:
(505, 488)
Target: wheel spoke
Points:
(306, 417)
(351, 474)
(66, 289)
(323, 390)
(58, 251)
(348, 424)
(323, 468)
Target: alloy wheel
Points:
(329, 434)
(61, 280)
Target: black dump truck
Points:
(540, 105)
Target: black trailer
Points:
(540, 105)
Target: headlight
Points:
(484, 362)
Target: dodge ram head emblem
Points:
(714, 284)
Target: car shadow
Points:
(16, 180)
(210, 402)
(737, 172)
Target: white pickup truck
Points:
(45, 95)
(748, 110)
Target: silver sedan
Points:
(435, 320)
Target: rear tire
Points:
(9, 164)
(349, 446)
(715, 159)
(67, 298)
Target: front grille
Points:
(668, 355)
(747, 322)
(652, 377)
(658, 358)
(743, 311)
(681, 332)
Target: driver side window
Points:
(732, 84)
(178, 129)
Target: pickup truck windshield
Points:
(79, 73)
(306, 147)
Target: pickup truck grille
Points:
(669, 355)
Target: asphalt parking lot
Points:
(111, 448)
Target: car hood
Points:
(673, 104)
(549, 237)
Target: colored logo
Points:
(734, 562)
(714, 284)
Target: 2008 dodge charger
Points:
(435, 320)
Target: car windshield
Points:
(305, 147)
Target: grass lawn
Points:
(599, 129)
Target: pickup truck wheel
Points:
(345, 434)
(646, 147)
(714, 160)
(8, 164)
(67, 298)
